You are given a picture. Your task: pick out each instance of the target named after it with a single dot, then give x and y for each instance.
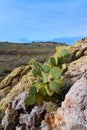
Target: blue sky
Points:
(31, 20)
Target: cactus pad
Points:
(32, 91)
(54, 86)
(30, 100)
(56, 72)
(46, 68)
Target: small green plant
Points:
(49, 81)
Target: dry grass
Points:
(13, 55)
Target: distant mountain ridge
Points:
(68, 40)
(59, 40)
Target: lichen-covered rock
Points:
(4, 92)
(72, 115)
(77, 50)
(13, 79)
(23, 85)
(14, 74)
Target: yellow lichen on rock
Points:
(23, 84)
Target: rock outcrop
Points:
(76, 70)
(10, 120)
(22, 85)
(34, 118)
(14, 121)
(12, 79)
(72, 115)
(18, 103)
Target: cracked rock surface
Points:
(72, 115)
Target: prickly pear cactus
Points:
(49, 81)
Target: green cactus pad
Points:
(53, 61)
(32, 91)
(42, 90)
(35, 72)
(66, 59)
(56, 72)
(46, 68)
(59, 64)
(54, 86)
(30, 100)
(37, 85)
(65, 56)
(64, 52)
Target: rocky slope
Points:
(16, 85)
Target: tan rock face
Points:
(14, 77)
(72, 115)
(8, 80)
(23, 84)
(76, 70)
